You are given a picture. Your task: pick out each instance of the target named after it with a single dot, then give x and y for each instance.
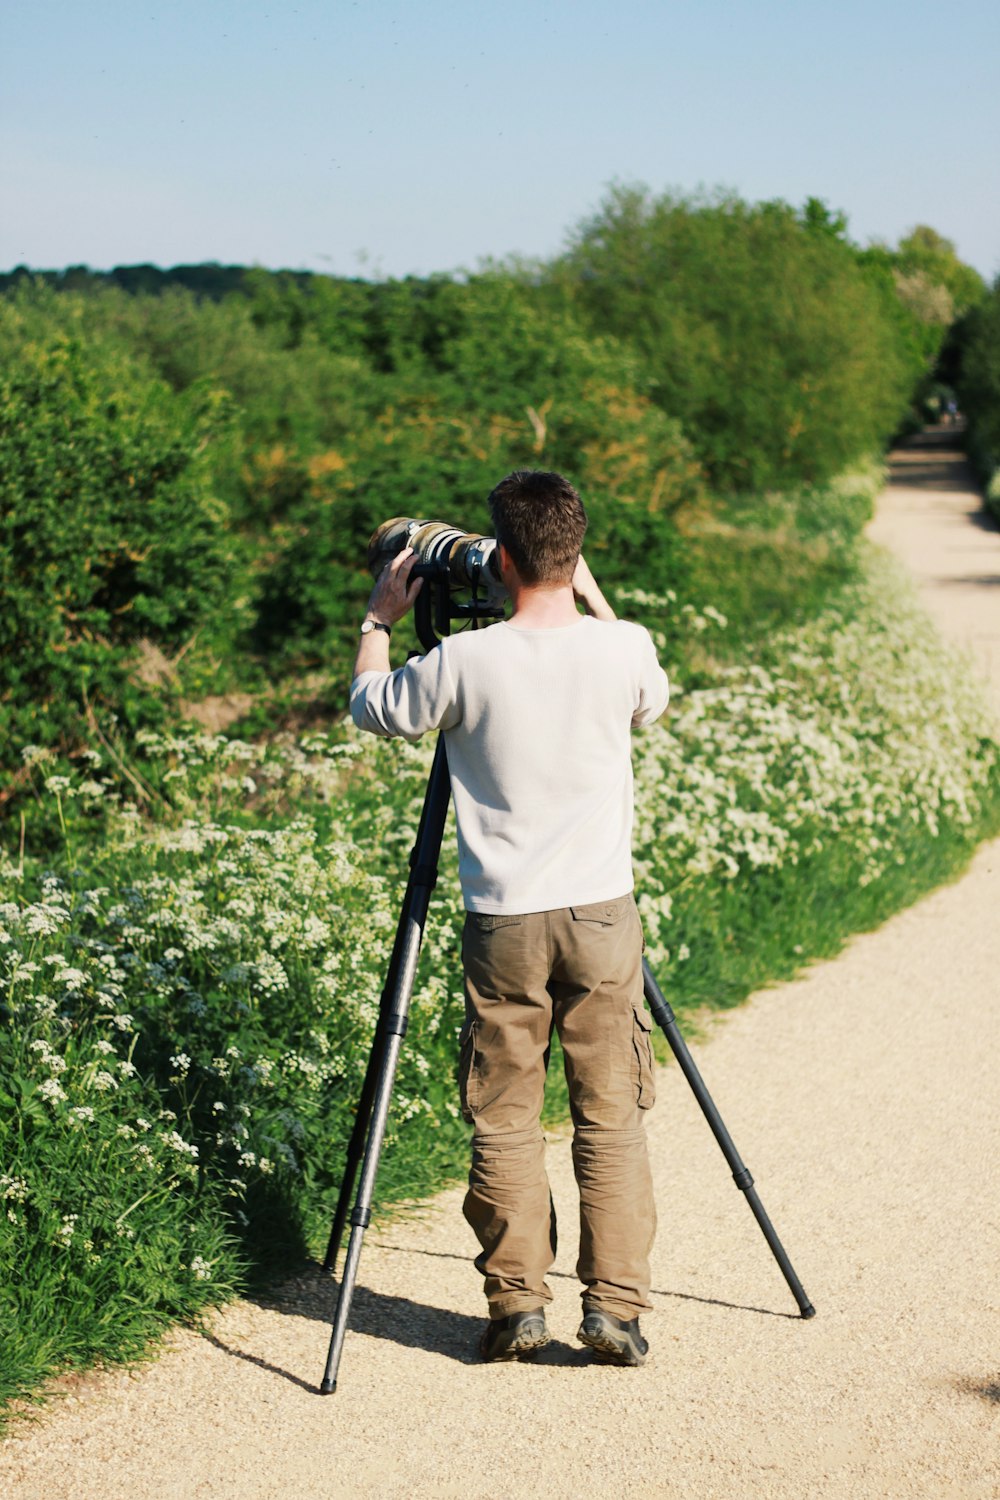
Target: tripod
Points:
(365, 1145)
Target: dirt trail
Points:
(933, 519)
(864, 1098)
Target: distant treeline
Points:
(205, 280)
(191, 460)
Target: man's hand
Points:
(391, 598)
(586, 592)
(394, 594)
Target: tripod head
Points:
(460, 570)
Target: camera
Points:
(461, 572)
(446, 555)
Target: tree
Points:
(927, 254)
(759, 331)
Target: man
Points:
(536, 712)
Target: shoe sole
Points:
(610, 1349)
(523, 1345)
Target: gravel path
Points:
(864, 1098)
(933, 519)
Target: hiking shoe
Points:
(613, 1341)
(515, 1337)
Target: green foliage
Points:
(346, 404)
(775, 559)
(288, 402)
(923, 288)
(207, 280)
(979, 388)
(241, 452)
(108, 1234)
(760, 332)
(923, 252)
(485, 378)
(819, 218)
(301, 411)
(305, 395)
(188, 1010)
(109, 532)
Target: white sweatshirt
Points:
(536, 726)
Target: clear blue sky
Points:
(383, 137)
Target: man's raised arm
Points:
(587, 593)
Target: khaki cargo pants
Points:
(578, 969)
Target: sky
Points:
(382, 138)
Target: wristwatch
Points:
(368, 626)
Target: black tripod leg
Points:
(356, 1145)
(665, 1018)
(355, 1148)
(389, 1037)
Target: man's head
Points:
(539, 518)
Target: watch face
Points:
(367, 627)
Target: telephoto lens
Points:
(471, 560)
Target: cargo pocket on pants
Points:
(642, 1025)
(468, 1080)
(602, 913)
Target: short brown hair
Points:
(540, 519)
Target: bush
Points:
(109, 535)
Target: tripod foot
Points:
(809, 1312)
(329, 1386)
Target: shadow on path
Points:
(986, 1390)
(766, 1312)
(935, 460)
(400, 1320)
(261, 1364)
(950, 474)
(970, 581)
(416, 1325)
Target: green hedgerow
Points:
(110, 534)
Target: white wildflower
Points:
(68, 1228)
